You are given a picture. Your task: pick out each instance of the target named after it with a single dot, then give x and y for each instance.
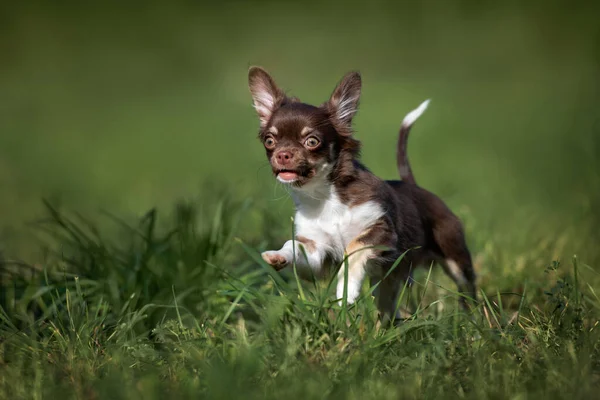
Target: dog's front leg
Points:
(365, 255)
(355, 268)
(303, 251)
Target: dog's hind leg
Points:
(463, 275)
(456, 258)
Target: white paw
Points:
(353, 294)
(275, 259)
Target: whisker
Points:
(279, 185)
(265, 164)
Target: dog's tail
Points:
(401, 157)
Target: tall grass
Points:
(180, 308)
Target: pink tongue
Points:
(288, 176)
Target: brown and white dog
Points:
(342, 209)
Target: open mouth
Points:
(287, 175)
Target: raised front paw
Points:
(275, 259)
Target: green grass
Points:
(111, 110)
(179, 307)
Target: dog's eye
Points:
(269, 143)
(312, 142)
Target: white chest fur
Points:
(332, 225)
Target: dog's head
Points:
(304, 142)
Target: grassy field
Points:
(140, 275)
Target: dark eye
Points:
(312, 142)
(269, 142)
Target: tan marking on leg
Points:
(357, 247)
(358, 256)
(308, 244)
(456, 272)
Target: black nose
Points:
(284, 157)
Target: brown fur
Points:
(308, 244)
(415, 219)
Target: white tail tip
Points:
(412, 116)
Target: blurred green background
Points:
(126, 106)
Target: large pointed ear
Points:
(265, 94)
(343, 103)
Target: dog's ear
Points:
(343, 103)
(265, 94)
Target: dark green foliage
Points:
(152, 312)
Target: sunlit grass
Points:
(181, 308)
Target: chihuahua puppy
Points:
(342, 209)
